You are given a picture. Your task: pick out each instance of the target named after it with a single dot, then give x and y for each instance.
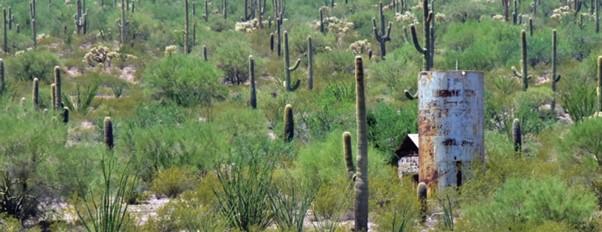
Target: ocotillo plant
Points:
(600, 84)
(429, 37)
(289, 123)
(310, 64)
(517, 136)
(422, 192)
(2, 79)
(65, 115)
(384, 35)
(524, 60)
(187, 48)
(108, 133)
(361, 180)
(288, 68)
(35, 94)
(5, 39)
(253, 97)
(348, 155)
(555, 76)
(58, 104)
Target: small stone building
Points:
(406, 157)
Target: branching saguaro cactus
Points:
(310, 64)
(429, 37)
(422, 192)
(348, 155)
(289, 123)
(58, 104)
(187, 47)
(555, 76)
(524, 60)
(288, 68)
(361, 180)
(35, 94)
(384, 35)
(253, 97)
(517, 136)
(109, 139)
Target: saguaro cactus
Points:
(187, 47)
(422, 192)
(65, 115)
(517, 136)
(310, 64)
(348, 155)
(289, 123)
(599, 83)
(288, 68)
(384, 35)
(206, 16)
(79, 18)
(123, 24)
(205, 55)
(322, 28)
(108, 133)
(429, 37)
(5, 39)
(35, 94)
(524, 60)
(2, 79)
(253, 97)
(272, 42)
(597, 16)
(53, 95)
(58, 104)
(361, 180)
(34, 33)
(555, 76)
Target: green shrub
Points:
(583, 143)
(231, 56)
(526, 202)
(388, 126)
(32, 64)
(173, 181)
(184, 80)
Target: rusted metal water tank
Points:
(450, 126)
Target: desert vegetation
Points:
(288, 115)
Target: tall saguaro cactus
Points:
(429, 37)
(187, 47)
(361, 180)
(310, 64)
(597, 16)
(58, 104)
(384, 35)
(79, 18)
(253, 97)
(555, 76)
(5, 39)
(288, 68)
(599, 83)
(289, 123)
(123, 24)
(524, 75)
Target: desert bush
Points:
(173, 181)
(578, 97)
(231, 56)
(528, 108)
(399, 208)
(387, 126)
(290, 202)
(32, 64)
(184, 80)
(523, 202)
(583, 143)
